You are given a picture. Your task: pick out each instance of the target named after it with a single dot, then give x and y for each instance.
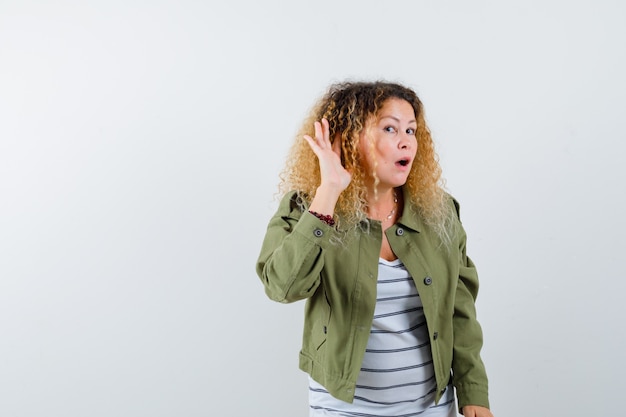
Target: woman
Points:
(367, 235)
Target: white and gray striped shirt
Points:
(397, 376)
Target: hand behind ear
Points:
(333, 173)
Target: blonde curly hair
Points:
(348, 106)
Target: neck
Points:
(383, 206)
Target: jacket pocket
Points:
(323, 322)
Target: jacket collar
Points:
(411, 217)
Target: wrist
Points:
(325, 200)
(328, 192)
(326, 218)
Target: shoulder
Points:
(453, 203)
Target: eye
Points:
(390, 129)
(410, 131)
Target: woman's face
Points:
(389, 144)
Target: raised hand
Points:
(334, 177)
(329, 155)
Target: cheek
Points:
(415, 146)
(385, 149)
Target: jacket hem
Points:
(338, 387)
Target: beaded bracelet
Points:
(326, 218)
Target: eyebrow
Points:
(396, 119)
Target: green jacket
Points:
(298, 260)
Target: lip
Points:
(406, 165)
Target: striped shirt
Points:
(397, 377)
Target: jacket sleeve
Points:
(468, 371)
(291, 258)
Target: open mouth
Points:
(403, 162)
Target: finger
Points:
(319, 135)
(314, 141)
(325, 131)
(312, 144)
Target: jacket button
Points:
(435, 335)
(428, 280)
(400, 231)
(318, 232)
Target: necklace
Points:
(393, 210)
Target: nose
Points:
(405, 141)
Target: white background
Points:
(140, 143)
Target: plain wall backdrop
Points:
(140, 145)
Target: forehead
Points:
(397, 108)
